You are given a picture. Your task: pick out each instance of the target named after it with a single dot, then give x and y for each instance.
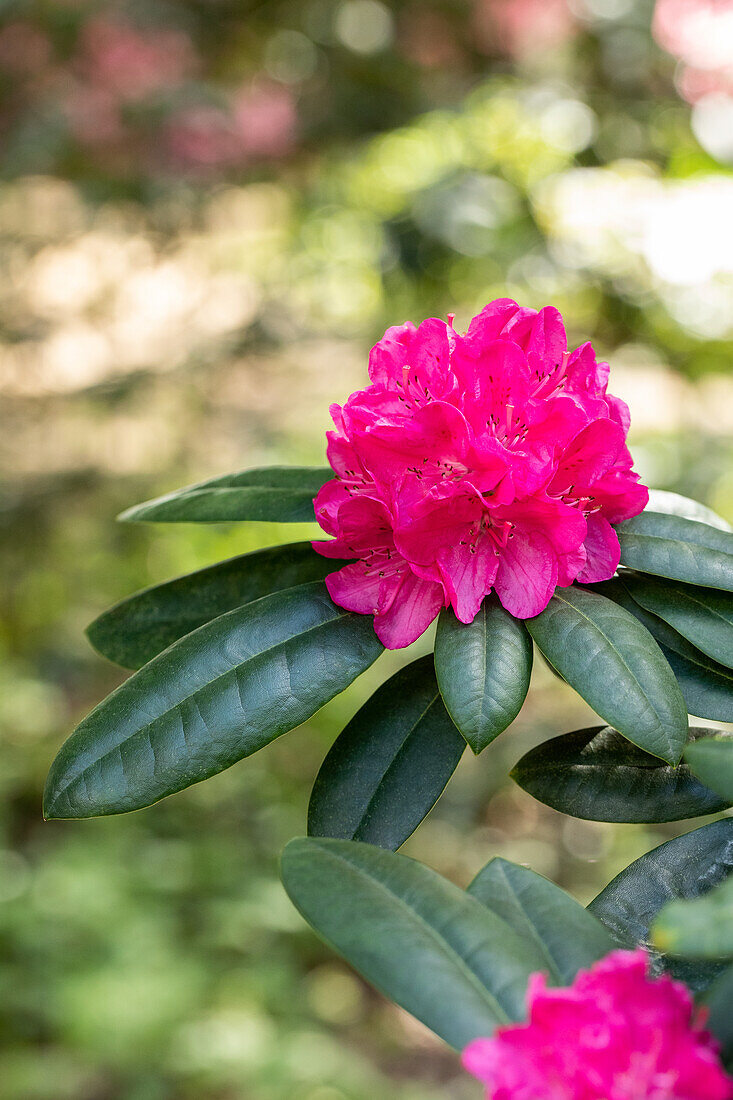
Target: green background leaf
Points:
(616, 666)
(143, 625)
(711, 760)
(673, 504)
(433, 949)
(718, 1000)
(483, 670)
(387, 769)
(685, 867)
(274, 494)
(598, 775)
(568, 936)
(214, 697)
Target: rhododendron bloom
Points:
(490, 460)
(615, 1034)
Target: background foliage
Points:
(208, 211)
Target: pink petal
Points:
(390, 354)
(355, 588)
(588, 457)
(602, 549)
(527, 574)
(412, 610)
(468, 577)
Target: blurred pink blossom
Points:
(132, 63)
(699, 33)
(521, 28)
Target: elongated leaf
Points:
(568, 936)
(685, 867)
(483, 669)
(706, 686)
(700, 928)
(273, 494)
(209, 700)
(598, 775)
(387, 769)
(718, 1000)
(143, 625)
(617, 667)
(711, 760)
(672, 504)
(678, 548)
(427, 945)
(703, 616)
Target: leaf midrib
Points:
(446, 948)
(141, 730)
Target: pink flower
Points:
(699, 33)
(489, 460)
(615, 1034)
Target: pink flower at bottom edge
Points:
(614, 1034)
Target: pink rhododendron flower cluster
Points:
(615, 1034)
(493, 459)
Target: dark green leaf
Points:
(568, 936)
(483, 670)
(143, 625)
(420, 940)
(700, 928)
(706, 686)
(718, 1000)
(685, 867)
(272, 494)
(672, 504)
(387, 769)
(598, 775)
(615, 664)
(212, 698)
(678, 548)
(703, 616)
(711, 760)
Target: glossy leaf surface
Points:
(273, 494)
(568, 936)
(598, 775)
(613, 662)
(483, 670)
(701, 928)
(212, 698)
(140, 627)
(430, 947)
(678, 548)
(712, 762)
(685, 867)
(387, 769)
(703, 616)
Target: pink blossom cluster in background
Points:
(259, 123)
(489, 460)
(521, 28)
(615, 1034)
(699, 33)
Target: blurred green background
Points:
(209, 210)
